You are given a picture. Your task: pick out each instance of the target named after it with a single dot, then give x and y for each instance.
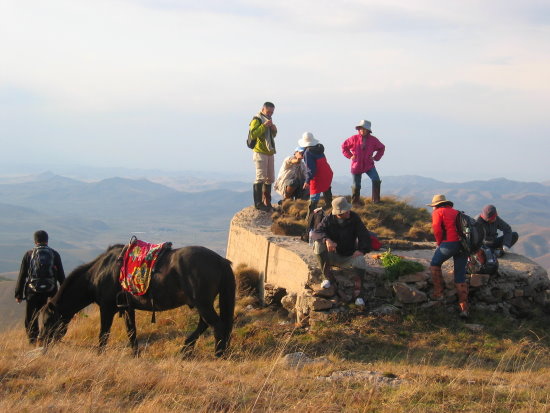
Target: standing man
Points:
(41, 270)
(363, 149)
(264, 131)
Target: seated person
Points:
(342, 240)
(291, 181)
(492, 223)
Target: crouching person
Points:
(492, 223)
(341, 240)
(448, 245)
(291, 181)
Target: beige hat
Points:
(365, 124)
(307, 140)
(340, 205)
(438, 199)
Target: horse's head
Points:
(51, 323)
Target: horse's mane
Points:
(84, 268)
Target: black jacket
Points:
(350, 236)
(491, 231)
(20, 290)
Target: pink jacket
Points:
(362, 161)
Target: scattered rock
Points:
(374, 377)
(299, 360)
(408, 295)
(476, 328)
(385, 309)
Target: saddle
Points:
(139, 259)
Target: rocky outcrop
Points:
(291, 277)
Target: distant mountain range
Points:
(83, 217)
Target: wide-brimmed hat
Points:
(438, 200)
(488, 212)
(365, 124)
(340, 205)
(307, 140)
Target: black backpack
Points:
(484, 261)
(41, 270)
(250, 141)
(470, 231)
(313, 221)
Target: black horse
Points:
(189, 275)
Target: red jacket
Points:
(444, 224)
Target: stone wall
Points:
(285, 262)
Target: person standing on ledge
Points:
(363, 149)
(264, 131)
(448, 245)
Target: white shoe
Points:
(359, 301)
(325, 284)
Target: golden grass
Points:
(444, 366)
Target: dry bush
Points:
(248, 281)
(389, 219)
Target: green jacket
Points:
(258, 131)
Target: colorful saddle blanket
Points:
(138, 265)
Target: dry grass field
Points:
(438, 363)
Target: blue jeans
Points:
(453, 249)
(372, 173)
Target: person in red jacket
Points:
(319, 172)
(448, 245)
(364, 149)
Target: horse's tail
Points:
(227, 298)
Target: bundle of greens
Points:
(395, 266)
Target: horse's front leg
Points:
(192, 338)
(130, 321)
(106, 315)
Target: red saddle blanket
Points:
(138, 264)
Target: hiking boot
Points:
(360, 302)
(325, 284)
(257, 193)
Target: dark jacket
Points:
(20, 290)
(491, 229)
(350, 236)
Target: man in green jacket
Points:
(264, 131)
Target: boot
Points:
(257, 192)
(289, 192)
(376, 191)
(327, 196)
(462, 291)
(266, 197)
(356, 195)
(310, 208)
(437, 279)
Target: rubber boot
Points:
(289, 192)
(376, 191)
(356, 195)
(327, 197)
(257, 192)
(437, 279)
(310, 208)
(462, 291)
(266, 197)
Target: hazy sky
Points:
(456, 90)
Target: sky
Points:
(456, 90)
